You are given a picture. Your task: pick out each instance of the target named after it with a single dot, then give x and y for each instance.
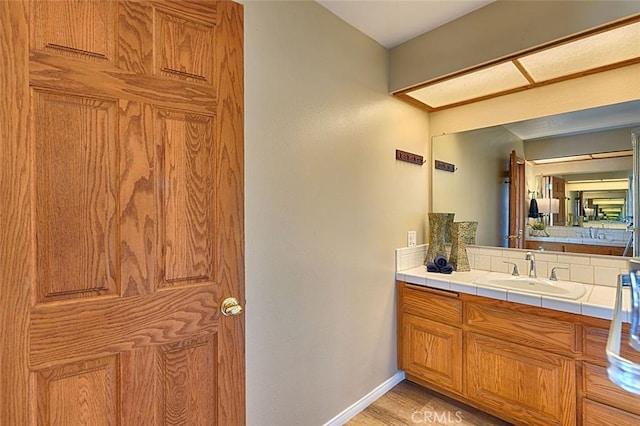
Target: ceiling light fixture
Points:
(595, 156)
(562, 159)
(609, 47)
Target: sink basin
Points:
(561, 289)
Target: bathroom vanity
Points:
(527, 365)
(526, 358)
(566, 239)
(556, 244)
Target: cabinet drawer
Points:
(595, 414)
(595, 343)
(432, 352)
(531, 386)
(598, 387)
(423, 303)
(521, 328)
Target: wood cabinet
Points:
(432, 344)
(433, 351)
(527, 365)
(536, 387)
(603, 401)
(595, 414)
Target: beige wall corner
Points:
(326, 204)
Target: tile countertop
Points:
(598, 301)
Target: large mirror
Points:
(577, 166)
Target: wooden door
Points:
(121, 188)
(516, 201)
(560, 218)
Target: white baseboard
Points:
(366, 400)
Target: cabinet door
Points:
(598, 387)
(594, 414)
(528, 385)
(432, 352)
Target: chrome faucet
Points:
(532, 265)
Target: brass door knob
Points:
(230, 306)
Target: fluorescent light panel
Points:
(618, 201)
(488, 81)
(609, 47)
(615, 153)
(568, 59)
(562, 159)
(598, 156)
(597, 180)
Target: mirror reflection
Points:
(576, 166)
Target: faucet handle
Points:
(515, 271)
(552, 275)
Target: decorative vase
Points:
(470, 235)
(439, 224)
(459, 235)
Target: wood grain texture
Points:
(75, 140)
(595, 343)
(598, 387)
(521, 362)
(80, 185)
(83, 393)
(103, 80)
(517, 201)
(183, 47)
(138, 386)
(82, 30)
(138, 213)
(410, 404)
(186, 171)
(187, 382)
(433, 351)
(67, 332)
(438, 308)
(16, 182)
(521, 328)
(229, 244)
(528, 385)
(595, 414)
(135, 41)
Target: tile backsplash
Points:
(583, 268)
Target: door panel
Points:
(122, 190)
(187, 382)
(75, 177)
(516, 201)
(83, 393)
(186, 169)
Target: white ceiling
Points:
(625, 114)
(391, 22)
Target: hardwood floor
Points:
(411, 404)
